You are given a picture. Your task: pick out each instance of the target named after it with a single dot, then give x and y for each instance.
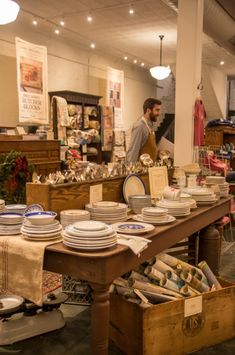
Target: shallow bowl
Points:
(41, 218)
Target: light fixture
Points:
(222, 62)
(92, 45)
(35, 22)
(125, 58)
(62, 23)
(131, 10)
(135, 61)
(89, 18)
(57, 32)
(8, 11)
(160, 72)
(142, 64)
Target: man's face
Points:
(154, 113)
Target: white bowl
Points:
(41, 218)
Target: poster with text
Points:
(31, 61)
(115, 93)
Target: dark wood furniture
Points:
(43, 154)
(84, 100)
(219, 135)
(101, 268)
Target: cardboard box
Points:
(164, 328)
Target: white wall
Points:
(71, 67)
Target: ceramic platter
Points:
(105, 204)
(89, 233)
(88, 248)
(133, 185)
(132, 227)
(139, 218)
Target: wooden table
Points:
(101, 268)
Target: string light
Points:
(57, 32)
(92, 45)
(131, 10)
(222, 62)
(135, 61)
(35, 22)
(89, 18)
(62, 23)
(142, 64)
(125, 58)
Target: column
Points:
(188, 76)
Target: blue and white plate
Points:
(133, 227)
(133, 185)
(34, 208)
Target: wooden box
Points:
(163, 329)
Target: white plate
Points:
(106, 237)
(154, 211)
(133, 185)
(40, 231)
(89, 226)
(41, 239)
(132, 227)
(75, 232)
(122, 207)
(34, 208)
(139, 218)
(105, 204)
(52, 225)
(74, 213)
(72, 245)
(90, 242)
(42, 236)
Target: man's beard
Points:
(152, 117)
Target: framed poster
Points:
(158, 180)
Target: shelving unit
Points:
(85, 101)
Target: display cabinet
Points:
(89, 113)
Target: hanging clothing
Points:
(199, 122)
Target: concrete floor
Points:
(74, 338)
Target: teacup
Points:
(170, 193)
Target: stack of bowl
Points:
(137, 202)
(71, 216)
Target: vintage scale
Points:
(20, 319)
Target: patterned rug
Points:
(51, 281)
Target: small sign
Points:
(84, 148)
(96, 193)
(192, 306)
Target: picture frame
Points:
(158, 180)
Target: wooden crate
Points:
(163, 329)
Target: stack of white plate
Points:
(71, 216)
(89, 235)
(154, 215)
(44, 232)
(107, 211)
(10, 223)
(16, 208)
(2, 205)
(137, 202)
(202, 195)
(176, 208)
(220, 181)
(187, 198)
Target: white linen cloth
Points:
(135, 243)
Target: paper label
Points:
(84, 148)
(192, 306)
(96, 193)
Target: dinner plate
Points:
(89, 226)
(132, 227)
(42, 236)
(72, 245)
(133, 185)
(122, 207)
(41, 231)
(41, 239)
(34, 208)
(90, 242)
(154, 211)
(139, 218)
(105, 204)
(80, 233)
(106, 237)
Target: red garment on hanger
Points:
(199, 122)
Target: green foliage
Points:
(15, 171)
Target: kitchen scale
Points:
(20, 319)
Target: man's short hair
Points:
(150, 103)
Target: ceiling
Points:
(118, 33)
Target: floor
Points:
(74, 338)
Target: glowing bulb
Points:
(57, 31)
(125, 58)
(131, 11)
(35, 22)
(222, 62)
(135, 61)
(92, 45)
(142, 64)
(62, 23)
(89, 18)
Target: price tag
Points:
(192, 306)
(96, 193)
(84, 148)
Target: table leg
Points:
(100, 319)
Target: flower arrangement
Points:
(15, 171)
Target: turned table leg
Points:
(100, 319)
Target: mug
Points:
(170, 193)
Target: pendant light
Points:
(160, 72)
(8, 11)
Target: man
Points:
(142, 135)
